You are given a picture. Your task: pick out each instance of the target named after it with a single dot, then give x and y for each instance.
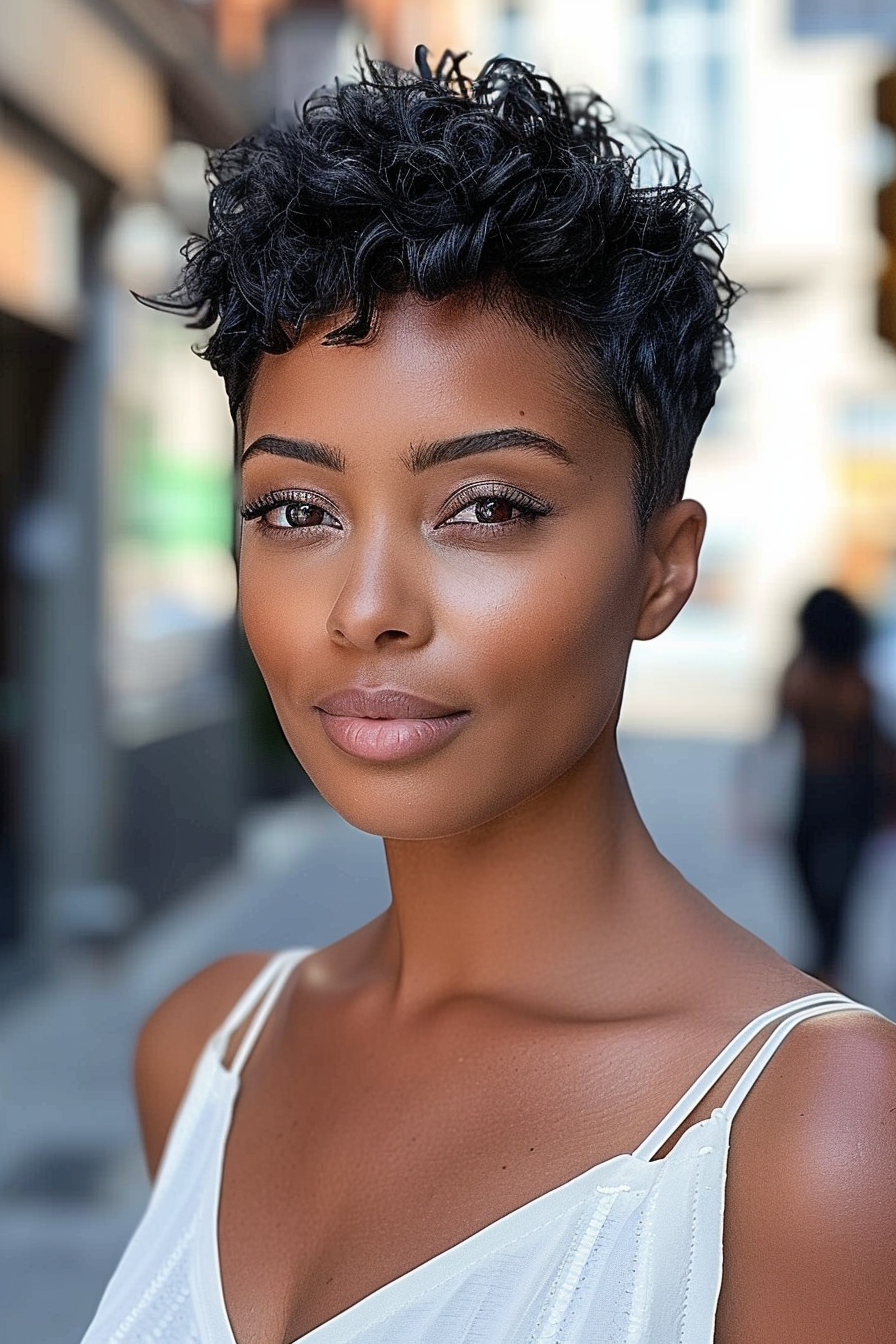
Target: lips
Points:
(387, 724)
(358, 702)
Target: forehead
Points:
(431, 368)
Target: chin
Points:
(429, 799)
(442, 796)
(412, 808)
(469, 783)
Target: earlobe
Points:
(671, 549)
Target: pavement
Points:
(72, 1183)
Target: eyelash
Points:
(278, 499)
(528, 508)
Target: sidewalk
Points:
(72, 1184)
(71, 1177)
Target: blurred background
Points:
(151, 817)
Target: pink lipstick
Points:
(387, 724)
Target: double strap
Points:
(259, 999)
(794, 1012)
(257, 1003)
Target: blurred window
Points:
(685, 74)
(663, 6)
(652, 76)
(820, 18)
(515, 31)
(717, 73)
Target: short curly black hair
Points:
(430, 182)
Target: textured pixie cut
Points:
(500, 187)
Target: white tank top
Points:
(629, 1252)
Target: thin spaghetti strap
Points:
(286, 962)
(249, 999)
(722, 1062)
(743, 1085)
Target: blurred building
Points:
(774, 100)
(122, 734)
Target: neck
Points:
(538, 907)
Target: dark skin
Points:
(544, 985)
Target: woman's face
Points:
(437, 514)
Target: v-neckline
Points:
(373, 1306)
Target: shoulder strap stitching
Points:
(742, 1087)
(718, 1066)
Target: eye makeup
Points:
(304, 511)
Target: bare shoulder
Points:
(810, 1222)
(172, 1039)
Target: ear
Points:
(671, 551)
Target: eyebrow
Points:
(425, 455)
(421, 456)
(305, 450)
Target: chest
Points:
(360, 1163)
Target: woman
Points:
(468, 351)
(826, 693)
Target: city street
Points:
(71, 1179)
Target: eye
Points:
(495, 509)
(287, 513)
(488, 510)
(296, 515)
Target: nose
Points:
(383, 599)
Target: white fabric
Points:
(629, 1252)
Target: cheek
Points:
(279, 614)
(556, 633)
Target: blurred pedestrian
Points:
(840, 790)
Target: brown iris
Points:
(494, 511)
(304, 515)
